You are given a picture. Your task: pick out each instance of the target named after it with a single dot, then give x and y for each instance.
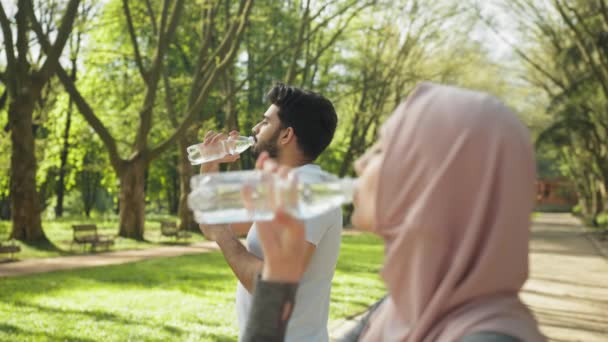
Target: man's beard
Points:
(269, 145)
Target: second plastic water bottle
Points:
(199, 153)
(243, 196)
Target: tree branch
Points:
(603, 79)
(581, 20)
(206, 30)
(152, 16)
(336, 35)
(291, 70)
(164, 13)
(521, 54)
(84, 108)
(88, 113)
(220, 50)
(604, 12)
(243, 19)
(154, 75)
(138, 60)
(11, 66)
(22, 39)
(65, 29)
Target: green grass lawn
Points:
(60, 234)
(188, 298)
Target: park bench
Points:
(9, 247)
(170, 229)
(87, 234)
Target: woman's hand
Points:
(282, 239)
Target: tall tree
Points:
(567, 58)
(75, 46)
(24, 82)
(217, 40)
(131, 170)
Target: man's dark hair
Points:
(312, 117)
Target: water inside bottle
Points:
(224, 202)
(199, 153)
(317, 198)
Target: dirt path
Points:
(100, 259)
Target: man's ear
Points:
(287, 135)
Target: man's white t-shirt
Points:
(308, 321)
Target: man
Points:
(295, 129)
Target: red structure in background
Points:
(557, 192)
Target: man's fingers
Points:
(218, 137)
(231, 158)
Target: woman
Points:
(449, 187)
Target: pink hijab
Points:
(454, 203)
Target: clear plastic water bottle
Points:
(243, 196)
(198, 154)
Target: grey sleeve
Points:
(266, 321)
(486, 336)
(317, 226)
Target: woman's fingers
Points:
(261, 160)
(208, 137)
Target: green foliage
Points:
(565, 61)
(365, 56)
(602, 221)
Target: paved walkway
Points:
(568, 285)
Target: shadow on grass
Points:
(174, 243)
(99, 315)
(9, 332)
(14, 330)
(46, 246)
(192, 274)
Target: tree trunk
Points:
(186, 171)
(65, 151)
(60, 190)
(5, 206)
(25, 206)
(230, 108)
(132, 199)
(173, 194)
